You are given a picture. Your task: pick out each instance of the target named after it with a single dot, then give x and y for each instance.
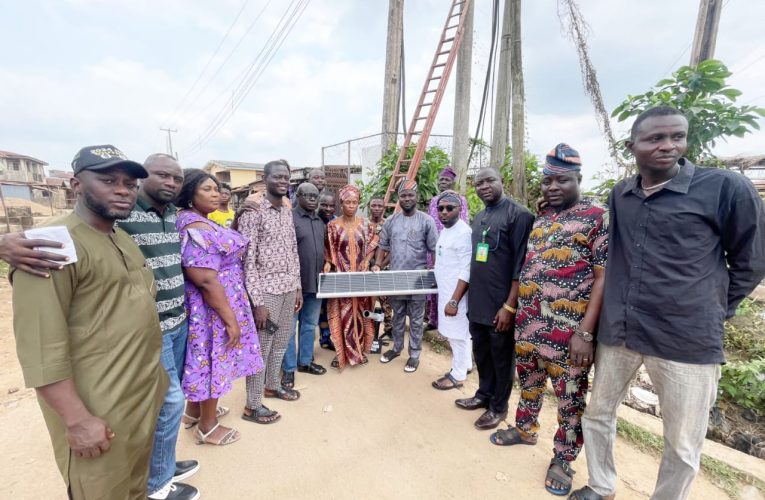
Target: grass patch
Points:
(745, 333)
(3, 269)
(721, 474)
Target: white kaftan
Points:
(453, 253)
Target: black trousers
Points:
(494, 354)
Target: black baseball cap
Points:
(103, 157)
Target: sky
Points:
(84, 72)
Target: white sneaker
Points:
(176, 491)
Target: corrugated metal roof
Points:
(14, 156)
(239, 165)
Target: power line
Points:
(489, 71)
(221, 66)
(209, 61)
(252, 74)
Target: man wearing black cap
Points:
(93, 354)
(559, 299)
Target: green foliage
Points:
(3, 269)
(433, 161)
(745, 333)
(706, 100)
(743, 383)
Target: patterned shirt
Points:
(409, 239)
(272, 265)
(156, 236)
(557, 276)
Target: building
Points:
(751, 166)
(235, 173)
(21, 168)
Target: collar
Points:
(679, 184)
(304, 213)
(145, 206)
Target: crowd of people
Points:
(171, 298)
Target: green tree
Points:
(708, 102)
(434, 160)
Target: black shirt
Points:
(309, 231)
(507, 225)
(680, 261)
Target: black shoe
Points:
(176, 491)
(185, 469)
(288, 380)
(473, 403)
(313, 369)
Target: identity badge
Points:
(482, 252)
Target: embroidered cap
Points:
(103, 157)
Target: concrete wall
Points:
(19, 169)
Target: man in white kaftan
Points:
(452, 271)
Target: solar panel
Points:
(369, 284)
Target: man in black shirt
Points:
(686, 245)
(500, 232)
(309, 232)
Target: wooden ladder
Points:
(430, 99)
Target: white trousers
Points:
(462, 357)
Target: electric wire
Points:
(254, 71)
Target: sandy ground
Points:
(371, 431)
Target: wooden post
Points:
(502, 106)
(461, 130)
(705, 36)
(5, 210)
(518, 132)
(392, 89)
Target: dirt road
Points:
(372, 431)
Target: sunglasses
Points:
(448, 208)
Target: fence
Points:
(366, 151)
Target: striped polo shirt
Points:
(156, 236)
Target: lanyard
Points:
(484, 233)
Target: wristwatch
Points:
(586, 336)
(453, 303)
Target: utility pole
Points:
(392, 86)
(518, 130)
(461, 131)
(169, 139)
(705, 36)
(502, 106)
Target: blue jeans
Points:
(308, 318)
(173, 357)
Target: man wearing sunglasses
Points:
(452, 270)
(500, 232)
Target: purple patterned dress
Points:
(432, 312)
(210, 366)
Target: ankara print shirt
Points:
(557, 275)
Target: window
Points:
(15, 164)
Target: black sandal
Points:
(411, 365)
(261, 415)
(335, 363)
(288, 380)
(509, 437)
(282, 393)
(441, 384)
(565, 479)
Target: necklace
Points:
(657, 186)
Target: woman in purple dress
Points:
(223, 344)
(446, 180)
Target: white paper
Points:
(55, 233)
